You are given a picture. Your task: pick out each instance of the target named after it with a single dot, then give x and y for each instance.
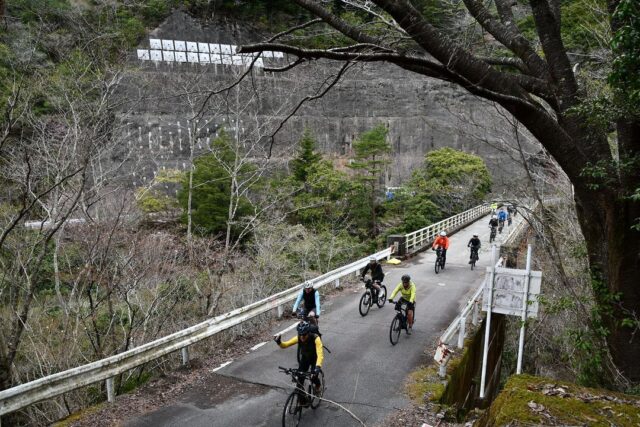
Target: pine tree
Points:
(371, 151)
(307, 157)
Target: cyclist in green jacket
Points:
(408, 291)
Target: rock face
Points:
(422, 114)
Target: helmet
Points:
(494, 216)
(308, 284)
(303, 328)
(443, 233)
(475, 234)
(406, 278)
(372, 258)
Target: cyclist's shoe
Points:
(408, 331)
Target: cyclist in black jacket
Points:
(377, 276)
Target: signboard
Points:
(508, 292)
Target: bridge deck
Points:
(364, 372)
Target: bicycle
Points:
(474, 257)
(296, 401)
(492, 236)
(366, 301)
(399, 322)
(439, 260)
(500, 226)
(509, 221)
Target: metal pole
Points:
(461, 334)
(525, 303)
(337, 282)
(280, 310)
(485, 351)
(110, 394)
(185, 355)
(474, 319)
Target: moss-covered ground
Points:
(528, 400)
(424, 383)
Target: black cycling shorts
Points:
(410, 305)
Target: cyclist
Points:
(494, 207)
(377, 276)
(408, 291)
(502, 216)
(442, 242)
(474, 244)
(311, 350)
(311, 298)
(493, 222)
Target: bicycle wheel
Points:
(292, 411)
(437, 267)
(365, 303)
(316, 398)
(394, 331)
(382, 296)
(473, 264)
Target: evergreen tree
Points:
(307, 157)
(371, 151)
(212, 189)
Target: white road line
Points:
(257, 346)
(222, 366)
(285, 330)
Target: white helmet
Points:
(443, 233)
(494, 217)
(308, 284)
(372, 258)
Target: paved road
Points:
(364, 372)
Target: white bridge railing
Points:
(418, 239)
(472, 308)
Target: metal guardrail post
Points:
(474, 319)
(111, 397)
(280, 310)
(461, 334)
(442, 371)
(185, 355)
(337, 282)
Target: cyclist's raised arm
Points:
(289, 343)
(297, 303)
(319, 352)
(317, 303)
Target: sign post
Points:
(513, 292)
(485, 351)
(525, 304)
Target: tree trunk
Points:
(607, 220)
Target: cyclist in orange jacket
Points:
(442, 242)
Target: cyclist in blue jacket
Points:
(311, 299)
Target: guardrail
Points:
(106, 369)
(418, 239)
(459, 324)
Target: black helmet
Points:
(406, 278)
(303, 328)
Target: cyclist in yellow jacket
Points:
(408, 291)
(311, 352)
